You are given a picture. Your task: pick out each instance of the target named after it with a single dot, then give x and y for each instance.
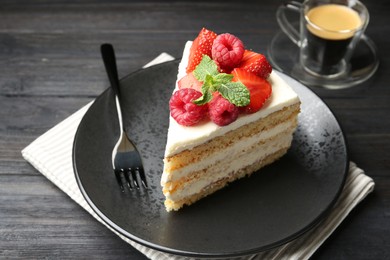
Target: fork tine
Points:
(127, 177)
(131, 178)
(118, 179)
(134, 176)
(142, 176)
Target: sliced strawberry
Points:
(256, 63)
(189, 81)
(260, 89)
(201, 46)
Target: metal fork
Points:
(126, 160)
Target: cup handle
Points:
(284, 24)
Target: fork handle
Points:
(108, 55)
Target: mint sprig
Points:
(236, 93)
(206, 67)
(207, 72)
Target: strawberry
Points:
(256, 63)
(201, 46)
(189, 81)
(259, 88)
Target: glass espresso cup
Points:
(328, 33)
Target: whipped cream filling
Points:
(181, 138)
(230, 151)
(228, 167)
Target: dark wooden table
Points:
(51, 66)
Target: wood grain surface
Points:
(50, 66)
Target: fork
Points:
(126, 160)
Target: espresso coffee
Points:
(329, 30)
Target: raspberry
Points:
(183, 110)
(227, 51)
(221, 111)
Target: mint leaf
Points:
(222, 78)
(207, 89)
(236, 93)
(207, 72)
(206, 67)
(210, 83)
(206, 97)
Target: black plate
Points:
(270, 208)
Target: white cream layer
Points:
(228, 167)
(181, 138)
(230, 151)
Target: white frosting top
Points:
(181, 138)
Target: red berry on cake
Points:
(259, 88)
(256, 63)
(227, 51)
(183, 110)
(201, 46)
(189, 81)
(221, 111)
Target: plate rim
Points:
(107, 221)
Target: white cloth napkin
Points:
(51, 154)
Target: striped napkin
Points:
(51, 154)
